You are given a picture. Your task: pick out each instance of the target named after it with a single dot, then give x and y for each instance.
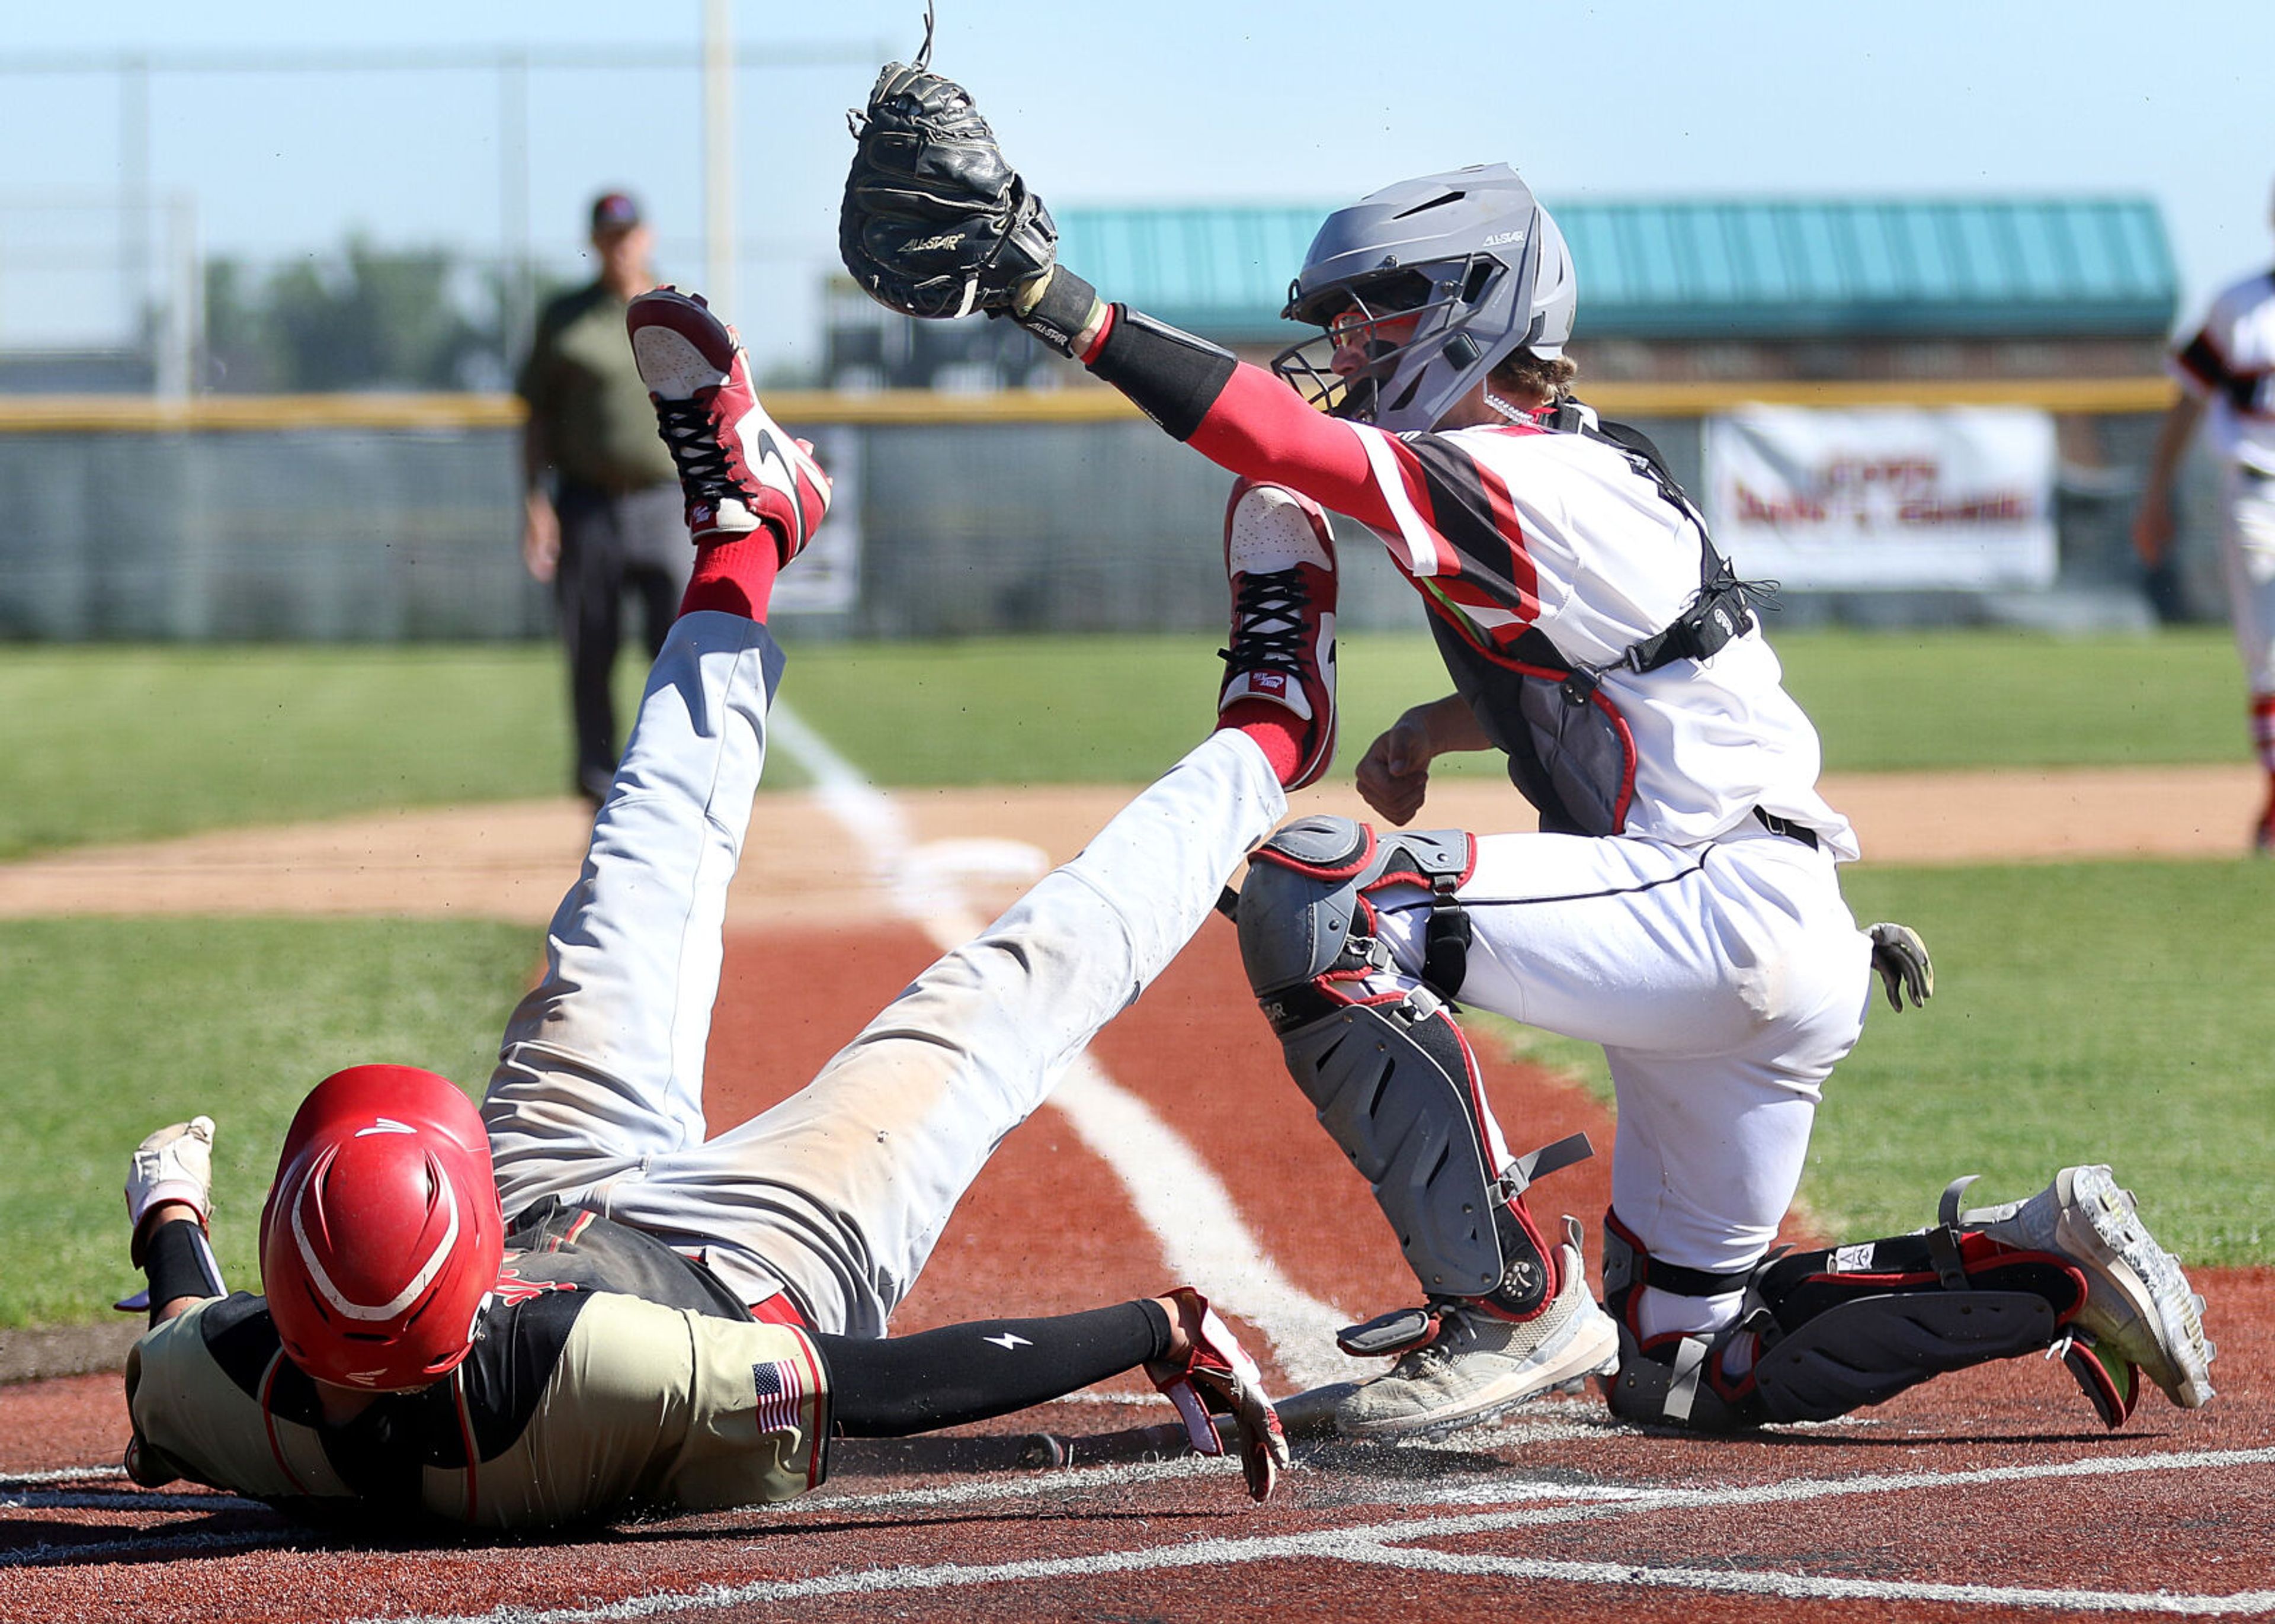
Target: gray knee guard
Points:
(1391, 1081)
(1305, 913)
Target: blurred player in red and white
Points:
(575, 1301)
(2226, 372)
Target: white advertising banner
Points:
(1884, 498)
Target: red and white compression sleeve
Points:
(1242, 419)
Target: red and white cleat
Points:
(1279, 558)
(1219, 1378)
(738, 469)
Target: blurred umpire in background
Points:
(602, 514)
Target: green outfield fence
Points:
(395, 517)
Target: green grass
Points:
(1115, 709)
(115, 1027)
(118, 744)
(137, 744)
(2107, 1012)
(1894, 700)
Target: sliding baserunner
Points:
(573, 1304)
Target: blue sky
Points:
(1176, 100)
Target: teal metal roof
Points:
(1783, 269)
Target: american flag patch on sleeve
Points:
(781, 1386)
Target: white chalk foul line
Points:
(1393, 1544)
(61, 1474)
(121, 1500)
(1202, 1234)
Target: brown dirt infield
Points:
(1989, 1495)
(508, 861)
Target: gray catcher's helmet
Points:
(1471, 253)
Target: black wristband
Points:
(1068, 305)
(1171, 376)
(178, 1261)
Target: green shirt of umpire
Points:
(586, 397)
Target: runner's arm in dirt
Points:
(891, 1387)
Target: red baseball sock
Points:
(1277, 730)
(735, 578)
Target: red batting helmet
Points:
(382, 1235)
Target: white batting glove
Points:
(173, 1163)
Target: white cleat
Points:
(2138, 1305)
(1480, 1366)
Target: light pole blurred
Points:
(719, 153)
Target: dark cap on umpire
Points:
(615, 211)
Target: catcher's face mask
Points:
(1385, 334)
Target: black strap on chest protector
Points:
(1724, 608)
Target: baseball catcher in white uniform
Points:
(1680, 905)
(2226, 371)
(574, 1302)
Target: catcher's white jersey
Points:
(1515, 527)
(2231, 360)
(1712, 958)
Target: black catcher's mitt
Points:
(935, 223)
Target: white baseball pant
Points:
(838, 1193)
(2246, 557)
(1724, 981)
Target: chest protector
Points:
(1569, 747)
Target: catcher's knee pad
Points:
(1836, 1330)
(1390, 1074)
(1307, 921)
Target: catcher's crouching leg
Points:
(1506, 1314)
(1390, 1075)
(1828, 1331)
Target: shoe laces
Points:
(697, 450)
(1267, 614)
(1451, 1340)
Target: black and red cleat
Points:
(738, 469)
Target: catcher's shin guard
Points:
(1835, 1330)
(1390, 1074)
